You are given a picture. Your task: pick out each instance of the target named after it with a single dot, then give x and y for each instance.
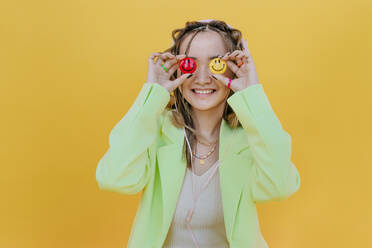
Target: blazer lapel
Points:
(233, 171)
(172, 171)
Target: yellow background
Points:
(69, 71)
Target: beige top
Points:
(207, 223)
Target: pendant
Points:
(201, 161)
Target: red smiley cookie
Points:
(187, 65)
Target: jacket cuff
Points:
(154, 95)
(252, 102)
(148, 106)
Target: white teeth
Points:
(203, 91)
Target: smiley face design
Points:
(187, 65)
(217, 66)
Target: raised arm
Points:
(127, 165)
(273, 177)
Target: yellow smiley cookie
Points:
(217, 66)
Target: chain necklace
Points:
(208, 144)
(203, 157)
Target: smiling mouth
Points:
(208, 93)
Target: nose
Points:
(203, 74)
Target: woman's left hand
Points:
(246, 73)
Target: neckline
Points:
(206, 172)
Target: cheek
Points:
(184, 88)
(225, 93)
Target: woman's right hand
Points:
(157, 74)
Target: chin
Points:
(203, 107)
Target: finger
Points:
(152, 56)
(236, 56)
(241, 62)
(225, 57)
(166, 56)
(221, 78)
(173, 65)
(172, 68)
(160, 61)
(168, 59)
(180, 80)
(170, 62)
(233, 67)
(234, 53)
(240, 56)
(180, 56)
(241, 59)
(245, 46)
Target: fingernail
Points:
(189, 75)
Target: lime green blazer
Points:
(145, 155)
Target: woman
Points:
(203, 147)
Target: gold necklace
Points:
(203, 157)
(208, 144)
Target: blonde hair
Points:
(181, 117)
